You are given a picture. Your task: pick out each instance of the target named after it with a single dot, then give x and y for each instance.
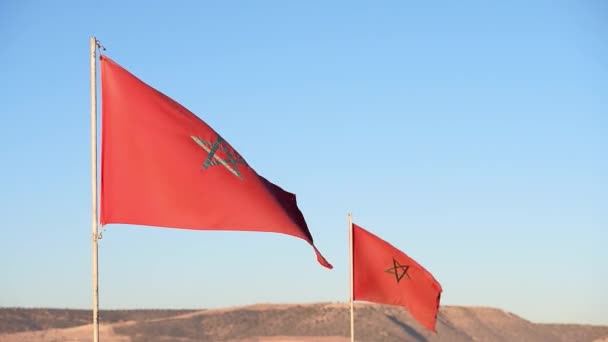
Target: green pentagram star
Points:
(398, 270)
(232, 157)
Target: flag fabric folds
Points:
(163, 166)
(383, 274)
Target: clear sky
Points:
(473, 135)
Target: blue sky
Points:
(473, 136)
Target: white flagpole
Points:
(352, 309)
(95, 235)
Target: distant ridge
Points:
(321, 322)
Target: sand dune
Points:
(323, 322)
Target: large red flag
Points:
(384, 274)
(163, 166)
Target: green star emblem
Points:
(230, 162)
(398, 270)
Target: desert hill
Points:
(323, 322)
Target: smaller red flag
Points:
(383, 274)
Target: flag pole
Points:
(95, 235)
(352, 309)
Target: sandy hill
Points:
(324, 322)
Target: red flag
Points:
(163, 166)
(384, 274)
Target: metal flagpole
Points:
(352, 309)
(95, 235)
